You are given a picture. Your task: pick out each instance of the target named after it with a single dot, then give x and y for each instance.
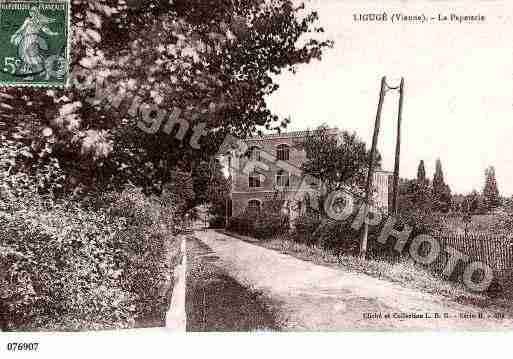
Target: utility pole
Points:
(229, 198)
(368, 190)
(395, 203)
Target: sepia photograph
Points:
(316, 167)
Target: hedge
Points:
(65, 267)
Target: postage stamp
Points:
(34, 43)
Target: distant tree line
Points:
(437, 196)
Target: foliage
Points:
(418, 207)
(202, 177)
(441, 191)
(475, 203)
(213, 60)
(218, 191)
(414, 195)
(180, 191)
(271, 224)
(217, 222)
(421, 221)
(338, 161)
(16, 161)
(65, 267)
(242, 224)
(508, 204)
(261, 226)
(213, 188)
(149, 225)
(269, 221)
(491, 190)
(305, 227)
(338, 236)
(421, 173)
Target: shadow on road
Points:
(216, 302)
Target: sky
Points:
(458, 102)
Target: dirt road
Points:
(215, 301)
(309, 297)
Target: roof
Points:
(293, 134)
(384, 172)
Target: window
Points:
(254, 180)
(283, 153)
(254, 154)
(254, 206)
(282, 179)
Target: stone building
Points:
(271, 168)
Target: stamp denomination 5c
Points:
(34, 42)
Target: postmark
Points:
(34, 43)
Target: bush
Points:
(263, 225)
(338, 236)
(268, 225)
(62, 270)
(243, 225)
(305, 227)
(217, 222)
(149, 224)
(69, 268)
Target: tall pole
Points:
(228, 199)
(370, 175)
(395, 203)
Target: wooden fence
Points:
(496, 251)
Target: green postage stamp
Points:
(34, 42)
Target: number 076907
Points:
(22, 347)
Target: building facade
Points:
(271, 169)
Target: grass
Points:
(405, 272)
(481, 224)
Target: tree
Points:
(491, 189)
(421, 173)
(438, 179)
(180, 189)
(214, 60)
(475, 203)
(211, 187)
(414, 195)
(441, 191)
(202, 176)
(508, 204)
(338, 161)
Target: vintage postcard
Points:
(175, 167)
(34, 42)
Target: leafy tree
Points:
(202, 176)
(338, 161)
(441, 191)
(211, 187)
(438, 179)
(180, 189)
(218, 193)
(415, 195)
(214, 60)
(491, 189)
(475, 203)
(459, 203)
(421, 173)
(508, 204)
